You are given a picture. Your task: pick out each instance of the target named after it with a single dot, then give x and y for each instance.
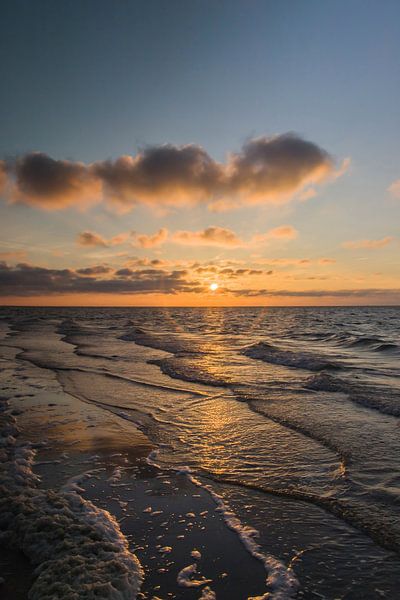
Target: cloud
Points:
(326, 261)
(147, 262)
(168, 174)
(394, 188)
(238, 273)
(95, 270)
(13, 255)
(284, 232)
(267, 170)
(285, 262)
(307, 194)
(211, 236)
(25, 280)
(368, 244)
(3, 176)
(149, 241)
(54, 184)
(90, 238)
(351, 293)
(273, 169)
(29, 280)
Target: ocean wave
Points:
(77, 548)
(274, 355)
(387, 347)
(361, 342)
(178, 368)
(382, 399)
(167, 342)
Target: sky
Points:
(150, 149)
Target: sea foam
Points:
(77, 548)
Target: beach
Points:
(193, 454)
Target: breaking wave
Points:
(271, 354)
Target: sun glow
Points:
(213, 287)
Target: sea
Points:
(288, 417)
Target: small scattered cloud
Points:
(240, 273)
(211, 236)
(284, 232)
(90, 238)
(326, 261)
(394, 189)
(150, 241)
(368, 244)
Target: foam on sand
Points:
(185, 577)
(281, 581)
(77, 548)
(208, 594)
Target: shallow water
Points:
(290, 414)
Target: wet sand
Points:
(170, 523)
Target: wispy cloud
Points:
(284, 232)
(285, 262)
(344, 293)
(267, 170)
(13, 255)
(368, 244)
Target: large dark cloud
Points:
(273, 169)
(3, 176)
(29, 280)
(266, 170)
(48, 183)
(163, 175)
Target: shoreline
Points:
(169, 523)
(111, 429)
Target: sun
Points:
(213, 286)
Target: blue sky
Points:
(91, 80)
